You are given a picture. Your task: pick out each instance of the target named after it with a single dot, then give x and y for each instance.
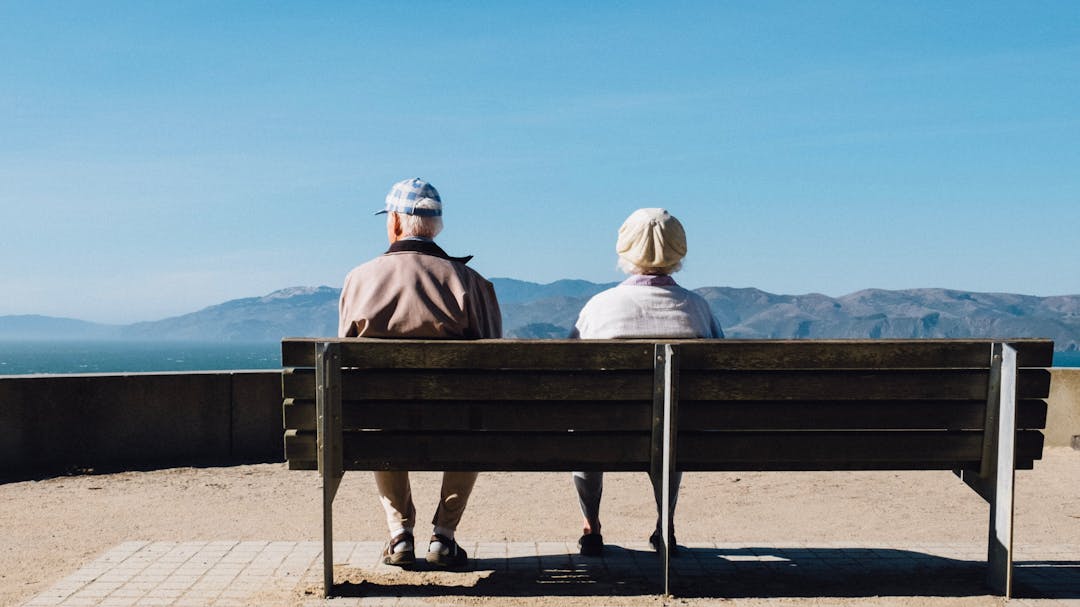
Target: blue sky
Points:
(158, 157)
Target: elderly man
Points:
(648, 304)
(416, 290)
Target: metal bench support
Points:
(328, 408)
(999, 468)
(995, 479)
(662, 472)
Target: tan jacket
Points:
(415, 290)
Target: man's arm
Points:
(490, 314)
(344, 318)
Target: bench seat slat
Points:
(629, 415)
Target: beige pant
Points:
(395, 493)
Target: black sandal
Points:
(656, 540)
(591, 544)
(454, 558)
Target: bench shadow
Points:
(763, 572)
(1046, 579)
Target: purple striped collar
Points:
(645, 280)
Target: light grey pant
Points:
(590, 486)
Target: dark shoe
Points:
(656, 540)
(591, 544)
(449, 555)
(399, 558)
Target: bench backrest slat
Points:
(871, 450)
(630, 415)
(849, 415)
(913, 384)
(616, 451)
(617, 416)
(479, 354)
(855, 354)
(694, 354)
(474, 385)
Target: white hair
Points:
(417, 225)
(634, 269)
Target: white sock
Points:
(439, 547)
(402, 546)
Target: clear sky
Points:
(159, 157)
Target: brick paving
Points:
(234, 573)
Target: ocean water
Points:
(26, 357)
(1067, 359)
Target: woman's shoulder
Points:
(606, 297)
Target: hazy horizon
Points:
(504, 278)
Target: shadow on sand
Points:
(714, 573)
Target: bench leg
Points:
(994, 481)
(329, 490)
(662, 468)
(1002, 472)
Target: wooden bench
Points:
(972, 406)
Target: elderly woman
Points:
(648, 304)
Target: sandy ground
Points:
(51, 527)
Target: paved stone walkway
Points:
(230, 573)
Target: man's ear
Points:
(393, 228)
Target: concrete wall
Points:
(61, 423)
(1063, 407)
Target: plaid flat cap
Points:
(406, 195)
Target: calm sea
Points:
(21, 357)
(1067, 359)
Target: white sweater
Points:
(646, 307)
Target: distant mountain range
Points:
(532, 310)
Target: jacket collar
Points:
(424, 247)
(648, 280)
